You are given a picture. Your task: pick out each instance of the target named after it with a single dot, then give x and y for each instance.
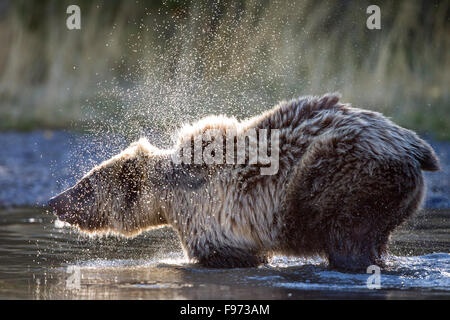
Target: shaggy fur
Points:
(347, 178)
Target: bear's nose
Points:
(59, 204)
(69, 205)
(52, 203)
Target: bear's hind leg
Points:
(352, 249)
(360, 231)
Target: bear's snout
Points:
(70, 205)
(61, 205)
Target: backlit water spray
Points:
(207, 62)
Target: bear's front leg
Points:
(230, 257)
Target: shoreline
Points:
(36, 165)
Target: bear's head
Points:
(124, 194)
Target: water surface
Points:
(41, 259)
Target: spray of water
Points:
(210, 60)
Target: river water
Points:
(40, 258)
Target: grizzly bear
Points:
(344, 179)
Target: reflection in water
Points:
(43, 260)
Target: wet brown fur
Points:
(347, 178)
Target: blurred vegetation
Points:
(136, 64)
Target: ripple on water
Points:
(152, 265)
(175, 259)
(430, 271)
